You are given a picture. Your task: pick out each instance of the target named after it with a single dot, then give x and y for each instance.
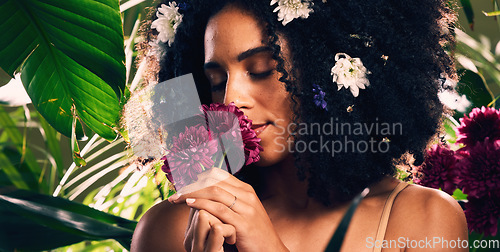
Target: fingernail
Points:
(174, 197)
(190, 201)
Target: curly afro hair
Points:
(401, 43)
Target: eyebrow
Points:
(241, 56)
(253, 51)
(211, 65)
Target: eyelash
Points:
(261, 75)
(219, 87)
(257, 76)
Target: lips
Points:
(258, 128)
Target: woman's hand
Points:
(206, 233)
(228, 211)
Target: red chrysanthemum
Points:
(222, 123)
(482, 215)
(479, 170)
(191, 153)
(439, 169)
(480, 123)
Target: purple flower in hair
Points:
(183, 6)
(319, 97)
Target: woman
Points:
(339, 93)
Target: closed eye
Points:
(219, 87)
(262, 75)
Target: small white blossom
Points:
(288, 10)
(168, 20)
(454, 101)
(350, 73)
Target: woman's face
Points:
(240, 69)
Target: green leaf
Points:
(469, 13)
(449, 127)
(475, 89)
(52, 138)
(459, 195)
(496, 7)
(491, 14)
(4, 77)
(18, 141)
(50, 222)
(11, 172)
(70, 53)
(77, 159)
(480, 55)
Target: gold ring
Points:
(234, 202)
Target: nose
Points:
(238, 90)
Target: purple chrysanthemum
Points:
(319, 97)
(194, 150)
(480, 123)
(190, 154)
(221, 123)
(439, 169)
(482, 215)
(479, 170)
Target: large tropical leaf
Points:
(70, 53)
(32, 221)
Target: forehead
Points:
(230, 32)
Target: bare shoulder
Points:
(161, 228)
(425, 213)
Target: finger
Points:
(191, 217)
(230, 183)
(220, 211)
(205, 179)
(188, 235)
(222, 176)
(179, 197)
(202, 229)
(222, 193)
(220, 233)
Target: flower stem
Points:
(480, 237)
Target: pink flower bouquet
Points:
(222, 138)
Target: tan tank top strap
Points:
(384, 219)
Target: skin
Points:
(284, 218)
(241, 70)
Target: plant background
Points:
(37, 158)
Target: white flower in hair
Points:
(291, 9)
(156, 49)
(350, 73)
(168, 20)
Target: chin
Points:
(271, 159)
